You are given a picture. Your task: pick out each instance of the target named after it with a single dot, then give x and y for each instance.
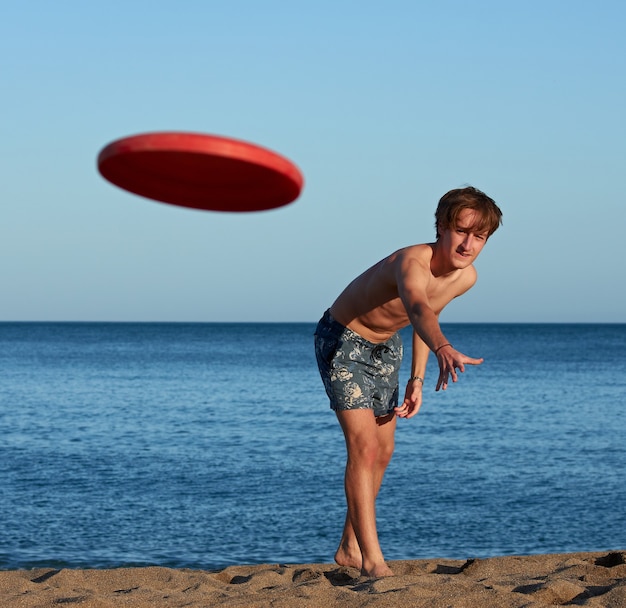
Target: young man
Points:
(359, 353)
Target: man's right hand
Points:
(449, 361)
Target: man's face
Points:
(461, 243)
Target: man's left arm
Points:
(414, 388)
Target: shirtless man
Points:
(359, 353)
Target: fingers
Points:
(406, 411)
(445, 374)
(442, 381)
(409, 407)
(402, 411)
(412, 412)
(449, 364)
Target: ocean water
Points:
(205, 445)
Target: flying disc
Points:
(201, 171)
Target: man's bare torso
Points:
(372, 306)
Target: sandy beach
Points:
(577, 579)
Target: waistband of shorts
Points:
(350, 333)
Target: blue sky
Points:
(383, 106)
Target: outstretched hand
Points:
(449, 361)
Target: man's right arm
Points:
(412, 280)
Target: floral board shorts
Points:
(357, 373)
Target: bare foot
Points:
(349, 559)
(377, 571)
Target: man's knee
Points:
(385, 453)
(370, 452)
(364, 451)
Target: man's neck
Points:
(441, 268)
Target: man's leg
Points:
(370, 443)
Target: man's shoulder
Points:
(410, 263)
(422, 253)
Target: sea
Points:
(204, 445)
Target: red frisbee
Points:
(201, 171)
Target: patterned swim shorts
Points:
(357, 374)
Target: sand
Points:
(577, 579)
